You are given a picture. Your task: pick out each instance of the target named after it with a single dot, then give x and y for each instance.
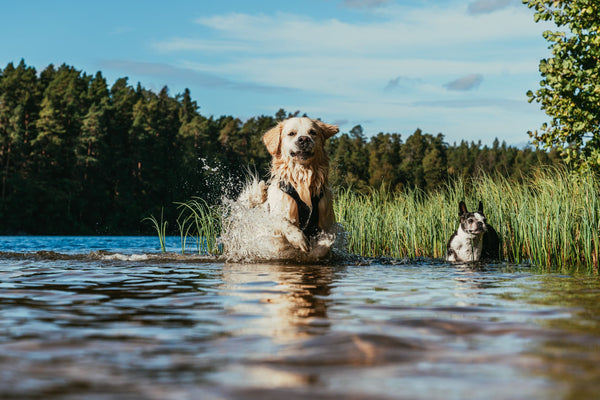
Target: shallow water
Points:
(112, 318)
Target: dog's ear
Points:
(462, 208)
(272, 139)
(480, 208)
(327, 129)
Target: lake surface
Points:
(113, 318)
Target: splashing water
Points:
(220, 180)
(249, 232)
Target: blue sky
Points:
(460, 68)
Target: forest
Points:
(81, 157)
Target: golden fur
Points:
(299, 158)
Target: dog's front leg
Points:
(285, 213)
(298, 240)
(294, 235)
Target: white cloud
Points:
(488, 6)
(398, 30)
(352, 76)
(401, 63)
(188, 75)
(364, 3)
(476, 103)
(212, 46)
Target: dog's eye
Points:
(312, 132)
(470, 220)
(292, 133)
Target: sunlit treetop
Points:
(569, 91)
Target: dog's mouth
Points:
(476, 231)
(302, 154)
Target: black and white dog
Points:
(475, 239)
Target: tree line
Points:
(78, 156)
(424, 161)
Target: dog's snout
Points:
(304, 141)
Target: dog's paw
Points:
(298, 240)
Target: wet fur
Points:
(307, 175)
(474, 240)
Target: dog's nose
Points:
(304, 141)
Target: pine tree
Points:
(384, 160)
(435, 163)
(412, 154)
(18, 109)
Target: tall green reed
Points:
(551, 219)
(160, 227)
(199, 220)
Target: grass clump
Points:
(196, 220)
(202, 222)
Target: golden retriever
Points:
(298, 196)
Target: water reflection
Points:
(573, 356)
(286, 301)
(474, 280)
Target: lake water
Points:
(113, 318)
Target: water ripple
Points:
(89, 324)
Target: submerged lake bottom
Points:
(113, 318)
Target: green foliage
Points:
(570, 87)
(99, 158)
(551, 219)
